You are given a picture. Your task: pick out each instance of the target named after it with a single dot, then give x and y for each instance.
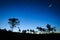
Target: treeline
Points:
(14, 21)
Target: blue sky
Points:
(31, 13)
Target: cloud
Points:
(50, 5)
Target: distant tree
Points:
(36, 32)
(13, 22)
(19, 29)
(53, 29)
(49, 27)
(43, 29)
(23, 31)
(39, 28)
(33, 31)
(28, 30)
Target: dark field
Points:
(25, 36)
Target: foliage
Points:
(13, 22)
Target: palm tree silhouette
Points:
(13, 22)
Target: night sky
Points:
(31, 13)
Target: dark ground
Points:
(23, 36)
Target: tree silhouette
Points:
(28, 30)
(53, 29)
(32, 31)
(13, 22)
(23, 31)
(49, 27)
(43, 29)
(39, 28)
(19, 29)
